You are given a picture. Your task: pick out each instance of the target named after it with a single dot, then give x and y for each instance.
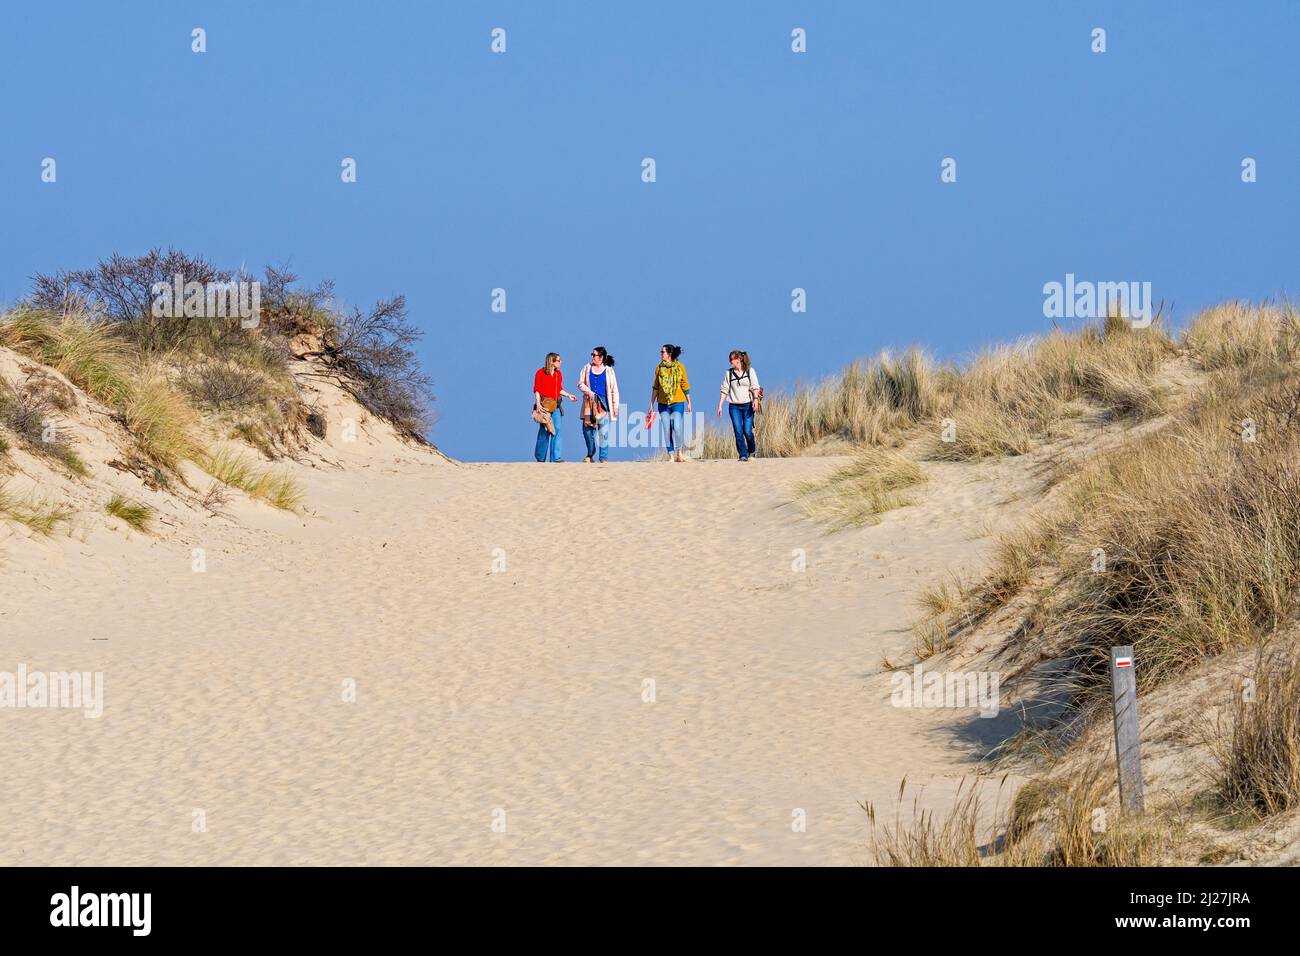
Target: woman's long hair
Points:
(743, 356)
(605, 357)
(674, 351)
(550, 362)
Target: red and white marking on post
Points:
(1123, 662)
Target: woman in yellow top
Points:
(670, 393)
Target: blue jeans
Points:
(742, 421)
(597, 438)
(673, 417)
(548, 445)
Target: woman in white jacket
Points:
(599, 388)
(741, 391)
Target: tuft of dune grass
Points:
(1237, 335)
(928, 838)
(280, 490)
(91, 354)
(1072, 819)
(982, 430)
(276, 488)
(41, 517)
(228, 467)
(160, 418)
(1067, 819)
(942, 598)
(854, 494)
(1125, 392)
(1257, 753)
(86, 350)
(930, 636)
(941, 604)
(136, 515)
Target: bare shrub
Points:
(293, 310)
(221, 386)
(120, 288)
(374, 350)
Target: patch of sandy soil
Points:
(578, 664)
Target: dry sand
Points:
(515, 695)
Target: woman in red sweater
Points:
(549, 396)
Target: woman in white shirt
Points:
(740, 390)
(599, 388)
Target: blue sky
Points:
(775, 170)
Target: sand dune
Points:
(479, 691)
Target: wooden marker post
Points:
(1123, 687)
